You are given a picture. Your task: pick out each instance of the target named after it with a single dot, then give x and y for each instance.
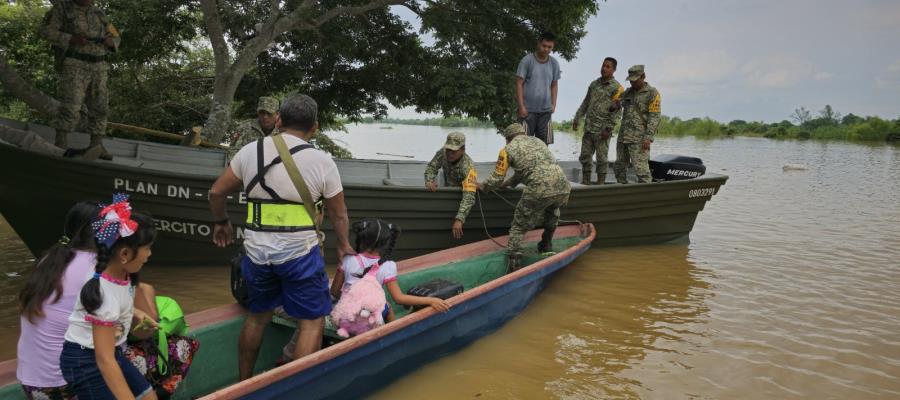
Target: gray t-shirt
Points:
(538, 77)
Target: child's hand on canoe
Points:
(438, 304)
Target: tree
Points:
(351, 55)
(852, 119)
(801, 116)
(459, 74)
(829, 115)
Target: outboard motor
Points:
(671, 167)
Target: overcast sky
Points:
(752, 60)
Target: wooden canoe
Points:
(357, 366)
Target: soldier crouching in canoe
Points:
(546, 189)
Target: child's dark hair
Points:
(375, 234)
(46, 279)
(144, 235)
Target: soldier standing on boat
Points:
(546, 189)
(284, 263)
(459, 170)
(83, 37)
(250, 130)
(601, 113)
(640, 120)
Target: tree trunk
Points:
(14, 84)
(219, 119)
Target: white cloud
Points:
(890, 78)
(694, 73)
(777, 71)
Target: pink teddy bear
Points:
(359, 309)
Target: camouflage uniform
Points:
(462, 173)
(600, 114)
(640, 119)
(546, 186)
(250, 130)
(84, 68)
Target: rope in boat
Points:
(484, 219)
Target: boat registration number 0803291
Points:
(701, 192)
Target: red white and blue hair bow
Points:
(114, 221)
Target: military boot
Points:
(513, 262)
(585, 178)
(88, 154)
(546, 243)
(97, 141)
(62, 139)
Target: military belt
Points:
(85, 57)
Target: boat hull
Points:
(362, 364)
(172, 184)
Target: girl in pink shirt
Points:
(47, 300)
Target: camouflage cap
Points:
(513, 129)
(455, 141)
(635, 72)
(267, 104)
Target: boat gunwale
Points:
(212, 316)
(292, 368)
(352, 185)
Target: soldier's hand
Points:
(615, 106)
(605, 134)
(431, 186)
(108, 42)
(646, 144)
(223, 235)
(457, 229)
(77, 40)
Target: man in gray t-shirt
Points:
(536, 85)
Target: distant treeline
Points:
(448, 122)
(827, 124)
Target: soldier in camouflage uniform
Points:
(458, 171)
(546, 189)
(83, 37)
(250, 130)
(601, 113)
(640, 119)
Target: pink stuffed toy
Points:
(359, 309)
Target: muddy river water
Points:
(789, 287)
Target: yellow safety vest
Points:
(275, 214)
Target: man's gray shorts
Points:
(539, 125)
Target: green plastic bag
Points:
(171, 322)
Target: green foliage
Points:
(828, 126)
(171, 94)
(479, 43)
(26, 51)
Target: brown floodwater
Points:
(789, 288)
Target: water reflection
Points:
(596, 320)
